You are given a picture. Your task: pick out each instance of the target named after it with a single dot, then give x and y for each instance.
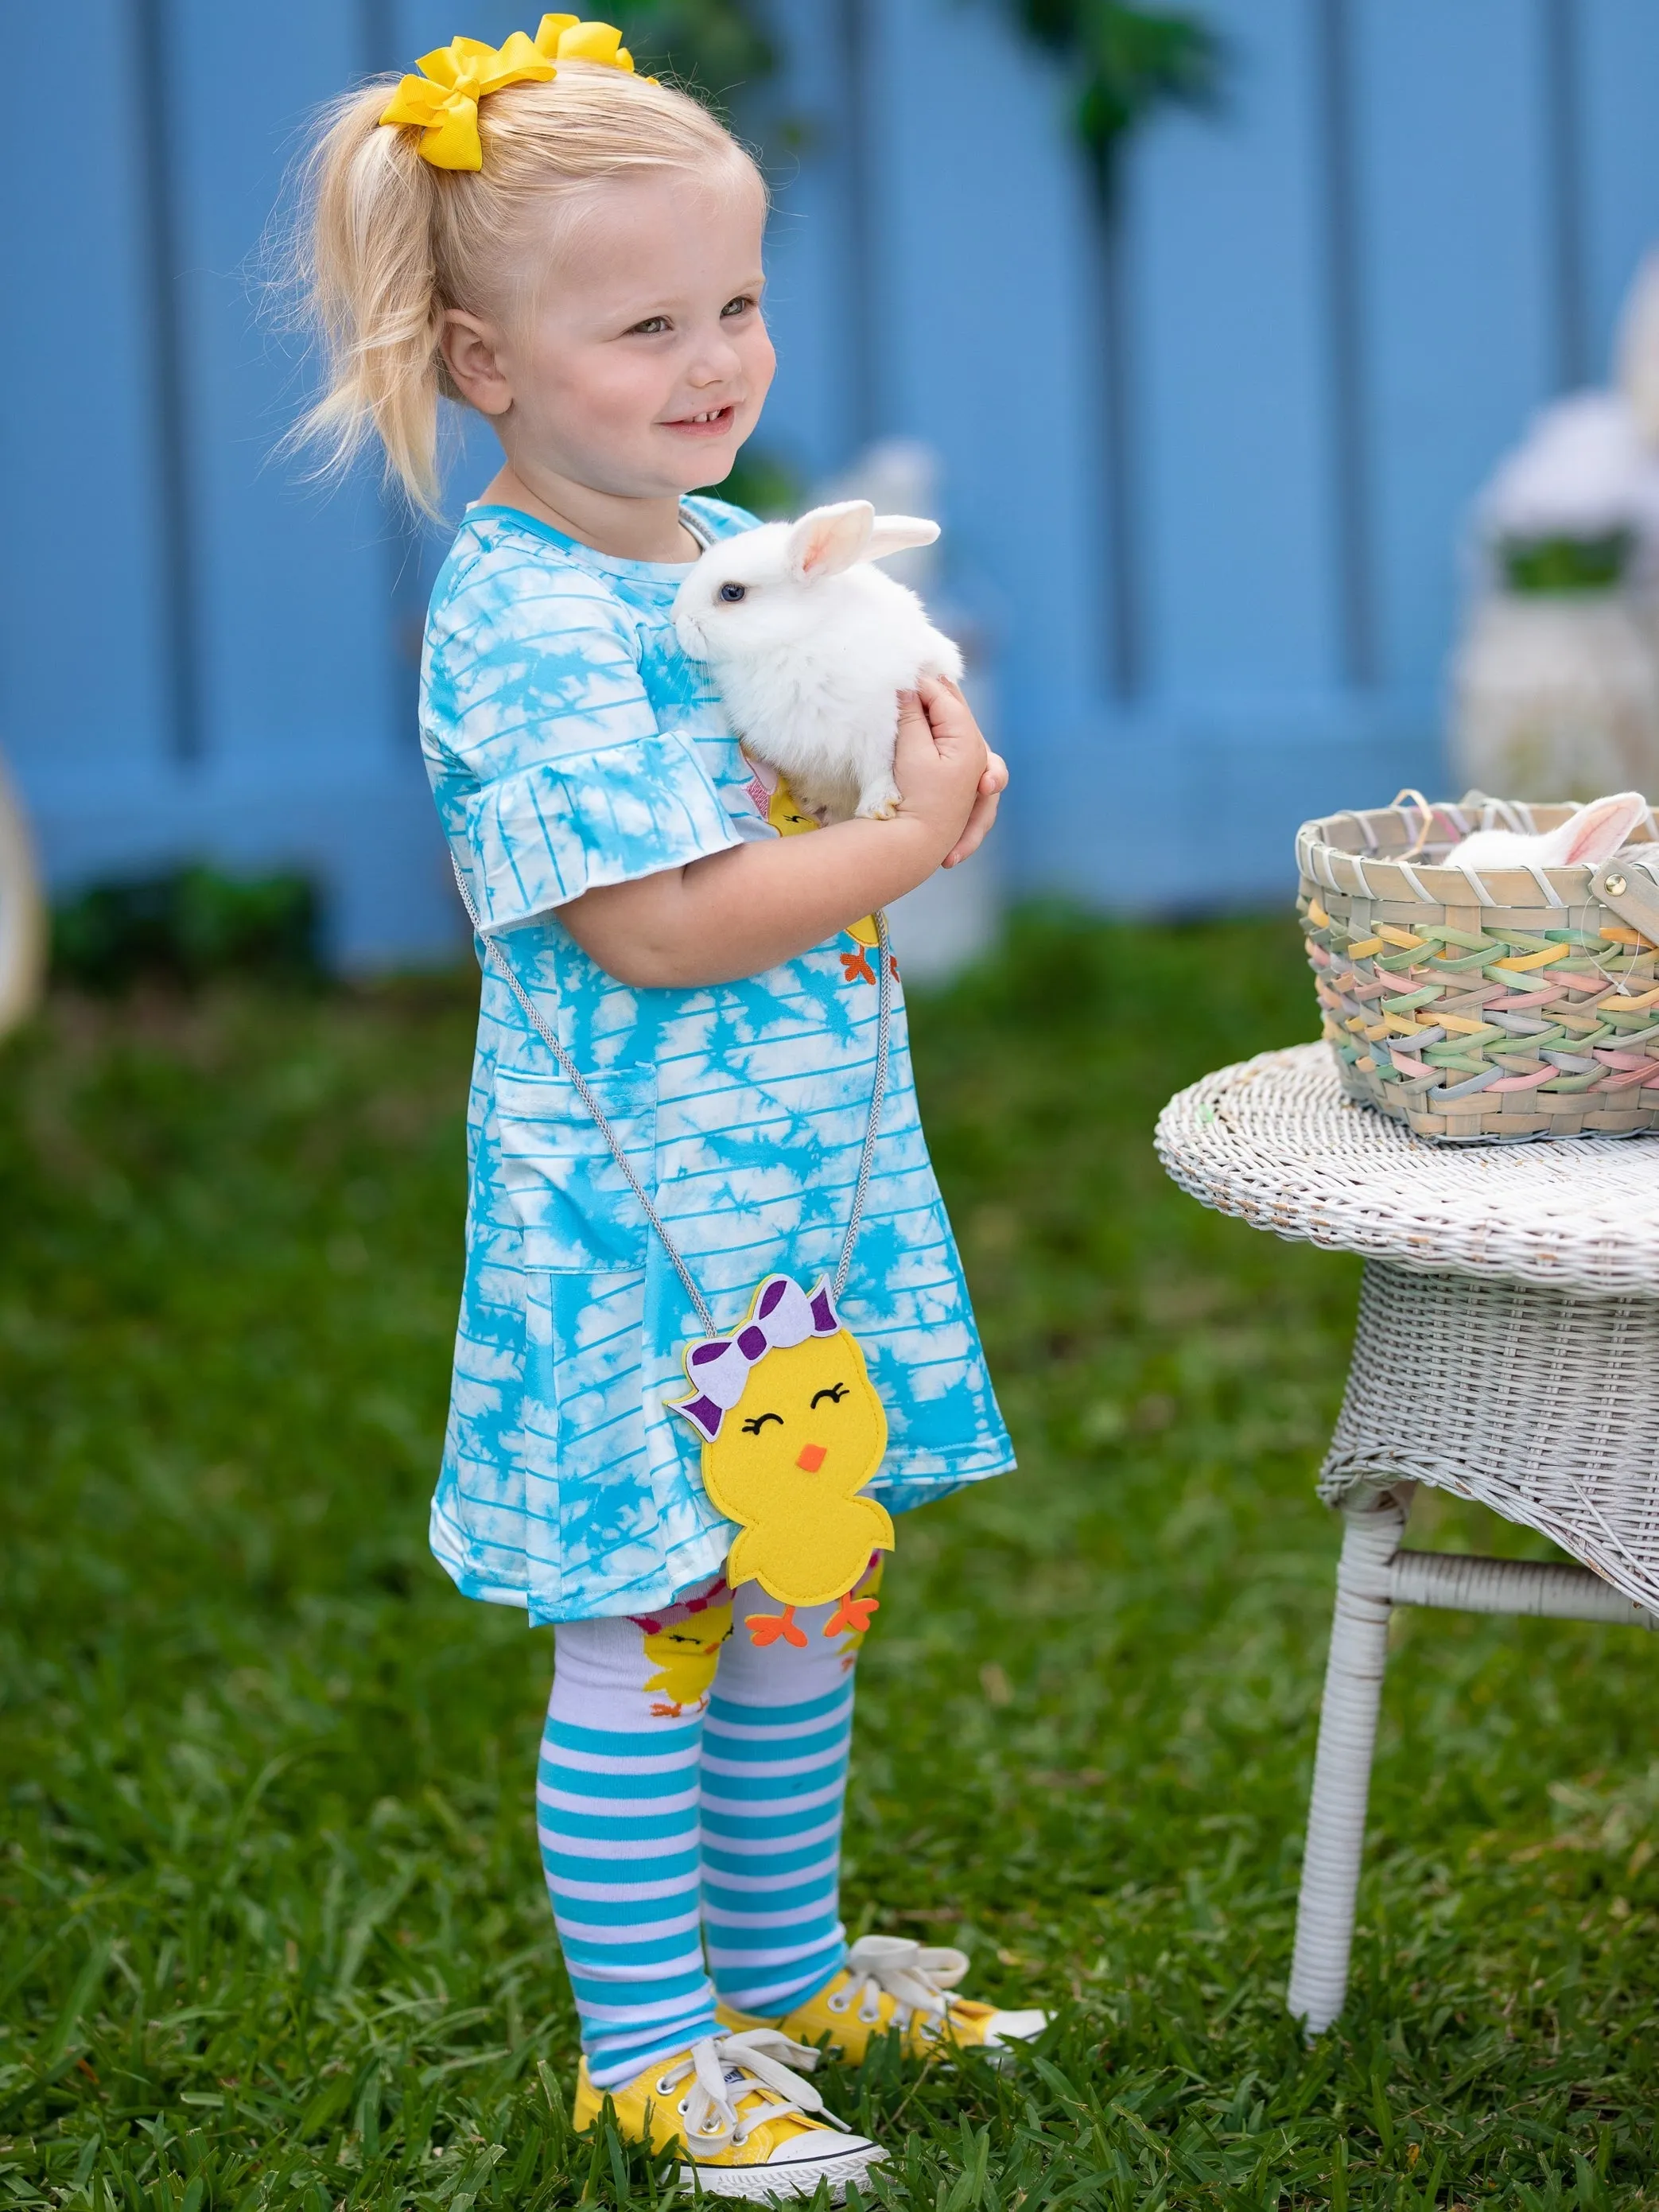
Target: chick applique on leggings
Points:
(792, 1431)
(685, 1654)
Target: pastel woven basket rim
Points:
(1505, 1004)
(1360, 861)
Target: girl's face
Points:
(641, 364)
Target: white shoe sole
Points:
(767, 2184)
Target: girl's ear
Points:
(469, 351)
(828, 540)
(1602, 828)
(898, 533)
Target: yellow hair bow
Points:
(568, 39)
(442, 102)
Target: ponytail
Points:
(373, 296)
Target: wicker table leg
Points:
(1342, 1767)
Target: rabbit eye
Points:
(732, 592)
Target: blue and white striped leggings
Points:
(689, 1793)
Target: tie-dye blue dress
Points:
(571, 744)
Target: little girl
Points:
(679, 1043)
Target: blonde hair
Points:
(387, 243)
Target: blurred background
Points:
(1204, 332)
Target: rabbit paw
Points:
(880, 803)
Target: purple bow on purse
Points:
(718, 1366)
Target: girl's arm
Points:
(737, 913)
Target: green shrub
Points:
(186, 925)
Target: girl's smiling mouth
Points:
(709, 423)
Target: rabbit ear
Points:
(1599, 829)
(897, 533)
(828, 540)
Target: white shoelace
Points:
(918, 1977)
(724, 2071)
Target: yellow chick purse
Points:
(792, 1431)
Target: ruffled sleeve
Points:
(552, 771)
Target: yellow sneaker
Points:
(891, 1983)
(749, 2126)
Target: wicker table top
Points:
(1275, 1141)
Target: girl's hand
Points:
(992, 785)
(943, 768)
(949, 721)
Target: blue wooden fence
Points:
(1205, 462)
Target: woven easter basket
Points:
(1515, 1004)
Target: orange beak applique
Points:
(812, 1457)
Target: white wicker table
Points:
(1507, 1349)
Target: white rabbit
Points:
(810, 647)
(1594, 834)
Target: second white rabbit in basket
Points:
(810, 647)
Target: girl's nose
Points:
(720, 362)
(812, 1457)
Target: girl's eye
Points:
(753, 1428)
(732, 592)
(649, 327)
(737, 306)
(833, 1395)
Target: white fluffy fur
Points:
(811, 660)
(1591, 835)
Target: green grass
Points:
(271, 1925)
